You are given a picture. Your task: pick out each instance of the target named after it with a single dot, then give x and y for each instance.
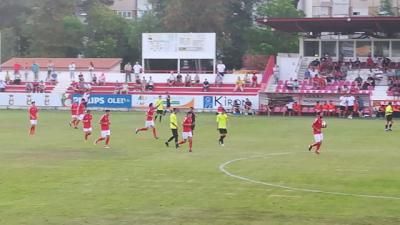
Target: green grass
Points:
(56, 178)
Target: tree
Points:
(386, 8)
(107, 34)
(264, 40)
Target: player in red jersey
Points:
(33, 116)
(317, 126)
(149, 121)
(105, 129)
(80, 112)
(187, 130)
(317, 108)
(87, 124)
(74, 116)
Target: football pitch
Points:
(264, 174)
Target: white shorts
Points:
(80, 117)
(33, 122)
(105, 133)
(87, 130)
(149, 124)
(186, 135)
(318, 137)
(74, 116)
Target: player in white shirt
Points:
(343, 105)
(137, 69)
(350, 105)
(221, 68)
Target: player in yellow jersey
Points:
(389, 117)
(222, 119)
(173, 124)
(160, 108)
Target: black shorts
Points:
(389, 118)
(174, 132)
(350, 108)
(342, 108)
(290, 110)
(160, 112)
(223, 131)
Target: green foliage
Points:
(264, 40)
(386, 8)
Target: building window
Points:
(363, 48)
(346, 48)
(395, 48)
(381, 49)
(328, 48)
(311, 48)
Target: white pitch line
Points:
(222, 169)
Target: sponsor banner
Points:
(212, 102)
(178, 101)
(107, 101)
(25, 99)
(383, 102)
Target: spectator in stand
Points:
(102, 79)
(35, 70)
(354, 88)
(239, 85)
(218, 80)
(118, 88)
(7, 78)
(248, 107)
(72, 69)
(144, 84)
(289, 84)
(295, 85)
(17, 79)
(125, 88)
(26, 72)
(276, 73)
(41, 87)
(322, 83)
(54, 78)
(297, 108)
(94, 79)
(318, 107)
(236, 107)
(247, 81)
(28, 87)
(17, 68)
(179, 79)
(370, 62)
(221, 68)
(137, 69)
(289, 108)
(315, 63)
(50, 69)
(128, 71)
(196, 79)
(35, 86)
(254, 79)
(206, 85)
(150, 84)
(3, 86)
(91, 69)
(315, 82)
(81, 77)
(358, 80)
(307, 74)
(171, 80)
(386, 63)
(357, 63)
(331, 108)
(87, 87)
(188, 80)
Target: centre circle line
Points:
(223, 169)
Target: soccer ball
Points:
(324, 124)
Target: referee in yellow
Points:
(222, 119)
(160, 108)
(389, 117)
(173, 124)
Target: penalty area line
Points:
(223, 169)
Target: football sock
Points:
(222, 139)
(319, 146)
(108, 140)
(86, 136)
(386, 126)
(170, 139)
(390, 126)
(154, 132)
